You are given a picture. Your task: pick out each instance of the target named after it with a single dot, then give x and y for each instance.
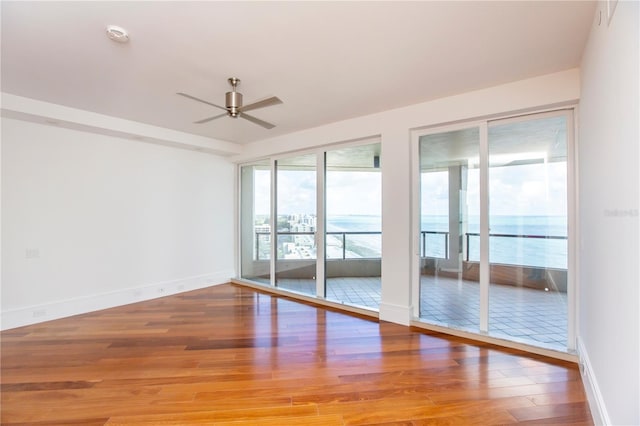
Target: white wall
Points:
(609, 326)
(394, 128)
(92, 221)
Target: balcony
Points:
(528, 303)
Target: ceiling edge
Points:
(26, 109)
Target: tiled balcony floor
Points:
(515, 313)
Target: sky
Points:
(348, 193)
(526, 190)
(536, 190)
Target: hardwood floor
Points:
(229, 355)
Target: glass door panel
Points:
(255, 217)
(296, 224)
(449, 228)
(354, 225)
(528, 230)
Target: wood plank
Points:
(554, 414)
(290, 421)
(279, 413)
(495, 417)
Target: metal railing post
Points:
(344, 246)
(446, 245)
(467, 235)
(257, 246)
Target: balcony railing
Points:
(343, 236)
(423, 243)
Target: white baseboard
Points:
(594, 397)
(395, 313)
(65, 308)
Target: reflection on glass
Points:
(255, 204)
(296, 224)
(354, 226)
(449, 210)
(528, 231)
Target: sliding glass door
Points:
(322, 235)
(255, 220)
(354, 225)
(493, 243)
(528, 222)
(296, 223)
(449, 204)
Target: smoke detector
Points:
(118, 34)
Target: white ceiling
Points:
(327, 61)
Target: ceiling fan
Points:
(234, 108)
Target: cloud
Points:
(354, 193)
(527, 190)
(296, 192)
(535, 189)
(348, 193)
(262, 192)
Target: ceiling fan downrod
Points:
(233, 99)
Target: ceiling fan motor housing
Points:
(233, 103)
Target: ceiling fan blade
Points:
(200, 100)
(257, 121)
(209, 119)
(274, 100)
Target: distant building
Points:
(262, 229)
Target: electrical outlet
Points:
(181, 286)
(161, 290)
(39, 313)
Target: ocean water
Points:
(551, 253)
(354, 223)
